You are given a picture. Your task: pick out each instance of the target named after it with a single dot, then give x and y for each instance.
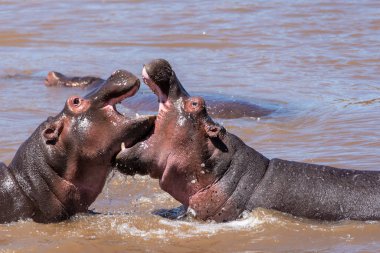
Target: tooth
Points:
(137, 115)
(122, 146)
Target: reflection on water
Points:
(318, 61)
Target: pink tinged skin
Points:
(164, 103)
(207, 202)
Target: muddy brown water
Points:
(317, 62)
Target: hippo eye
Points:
(76, 101)
(194, 104)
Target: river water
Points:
(317, 62)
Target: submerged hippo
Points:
(62, 167)
(215, 174)
(219, 106)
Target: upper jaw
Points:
(120, 85)
(130, 93)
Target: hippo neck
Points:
(238, 172)
(40, 183)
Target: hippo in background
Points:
(218, 105)
(62, 167)
(216, 175)
(56, 79)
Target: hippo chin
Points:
(218, 176)
(219, 106)
(62, 167)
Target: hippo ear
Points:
(214, 130)
(52, 131)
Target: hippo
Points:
(219, 106)
(217, 176)
(62, 167)
(54, 79)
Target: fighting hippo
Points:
(62, 167)
(218, 176)
(219, 106)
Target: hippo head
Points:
(178, 151)
(179, 140)
(84, 139)
(92, 126)
(75, 150)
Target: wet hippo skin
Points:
(218, 176)
(62, 167)
(218, 105)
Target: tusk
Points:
(122, 146)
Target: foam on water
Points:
(192, 228)
(127, 228)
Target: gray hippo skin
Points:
(218, 176)
(62, 167)
(218, 105)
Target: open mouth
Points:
(112, 104)
(127, 129)
(121, 85)
(130, 93)
(153, 86)
(143, 125)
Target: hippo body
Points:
(218, 176)
(218, 105)
(62, 167)
(301, 189)
(318, 192)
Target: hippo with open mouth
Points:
(62, 167)
(218, 176)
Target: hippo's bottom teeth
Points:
(122, 146)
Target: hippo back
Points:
(318, 192)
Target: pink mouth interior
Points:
(153, 86)
(130, 93)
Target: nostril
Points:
(76, 101)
